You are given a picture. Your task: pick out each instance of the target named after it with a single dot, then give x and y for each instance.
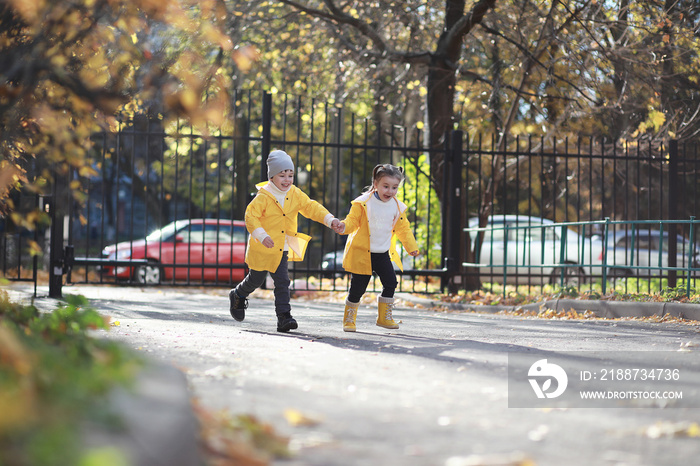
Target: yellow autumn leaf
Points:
(657, 119)
(297, 418)
(34, 248)
(245, 57)
(29, 10)
(693, 430)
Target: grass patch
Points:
(496, 294)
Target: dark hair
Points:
(386, 169)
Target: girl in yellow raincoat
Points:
(271, 220)
(376, 220)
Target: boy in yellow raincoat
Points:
(271, 220)
(376, 220)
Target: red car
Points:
(193, 250)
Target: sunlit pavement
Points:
(434, 391)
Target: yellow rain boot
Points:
(350, 316)
(386, 306)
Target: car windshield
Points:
(198, 233)
(520, 231)
(650, 242)
(165, 232)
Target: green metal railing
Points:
(593, 252)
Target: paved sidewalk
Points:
(160, 426)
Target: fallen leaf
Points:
(673, 429)
(297, 418)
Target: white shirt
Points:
(381, 217)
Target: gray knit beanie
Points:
(277, 162)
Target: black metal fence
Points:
(584, 181)
(150, 172)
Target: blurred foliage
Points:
(53, 382)
(68, 67)
(615, 69)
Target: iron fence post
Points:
(673, 196)
(691, 256)
(606, 230)
(562, 256)
(59, 203)
(454, 217)
(266, 131)
(55, 243)
(444, 212)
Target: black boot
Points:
(238, 305)
(285, 322)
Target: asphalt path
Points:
(434, 392)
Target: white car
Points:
(519, 249)
(644, 253)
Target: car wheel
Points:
(573, 276)
(148, 274)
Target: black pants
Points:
(280, 277)
(382, 266)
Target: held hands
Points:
(414, 253)
(268, 243)
(338, 226)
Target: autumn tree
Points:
(67, 67)
(398, 44)
(510, 67)
(517, 67)
(595, 69)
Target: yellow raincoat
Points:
(357, 257)
(280, 223)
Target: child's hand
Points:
(339, 228)
(334, 224)
(268, 243)
(414, 253)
